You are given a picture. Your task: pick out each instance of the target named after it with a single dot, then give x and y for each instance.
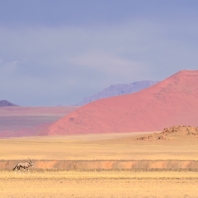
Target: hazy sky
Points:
(60, 51)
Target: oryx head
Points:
(30, 163)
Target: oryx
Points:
(24, 165)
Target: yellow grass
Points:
(119, 184)
(97, 147)
(99, 175)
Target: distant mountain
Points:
(5, 103)
(116, 90)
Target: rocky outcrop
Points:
(173, 132)
(182, 130)
(152, 137)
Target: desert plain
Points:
(100, 165)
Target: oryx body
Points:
(24, 165)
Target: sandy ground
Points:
(100, 184)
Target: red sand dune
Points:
(173, 101)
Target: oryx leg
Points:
(24, 170)
(19, 169)
(16, 168)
